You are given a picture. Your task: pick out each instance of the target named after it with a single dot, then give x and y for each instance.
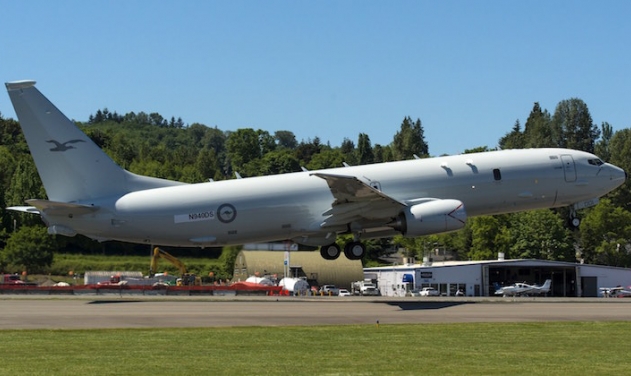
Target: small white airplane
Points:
(516, 289)
(524, 289)
(615, 292)
(541, 290)
(89, 194)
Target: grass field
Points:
(566, 348)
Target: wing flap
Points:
(356, 201)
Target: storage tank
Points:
(260, 281)
(295, 285)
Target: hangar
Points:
(302, 264)
(478, 278)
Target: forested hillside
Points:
(148, 144)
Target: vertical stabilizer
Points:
(71, 166)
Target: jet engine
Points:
(431, 217)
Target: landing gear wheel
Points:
(354, 250)
(575, 222)
(330, 252)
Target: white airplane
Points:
(615, 292)
(521, 289)
(541, 290)
(89, 194)
(516, 289)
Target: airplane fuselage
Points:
(292, 206)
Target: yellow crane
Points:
(187, 279)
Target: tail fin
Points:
(71, 166)
(497, 286)
(546, 284)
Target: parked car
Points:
(429, 291)
(344, 292)
(329, 290)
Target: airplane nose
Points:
(617, 175)
(623, 176)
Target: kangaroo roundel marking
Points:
(226, 213)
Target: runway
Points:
(115, 312)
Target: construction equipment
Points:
(187, 279)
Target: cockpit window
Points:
(595, 162)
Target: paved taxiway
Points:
(115, 312)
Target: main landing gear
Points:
(353, 251)
(575, 221)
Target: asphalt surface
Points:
(18, 312)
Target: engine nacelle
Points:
(431, 217)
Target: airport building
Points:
(481, 278)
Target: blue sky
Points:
(467, 69)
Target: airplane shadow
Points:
(114, 301)
(411, 306)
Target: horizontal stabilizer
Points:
(61, 208)
(24, 209)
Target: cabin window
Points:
(497, 175)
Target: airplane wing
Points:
(356, 201)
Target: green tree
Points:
(487, 238)
(242, 147)
(306, 150)
(285, 139)
(383, 153)
(410, 140)
(364, 150)
(348, 150)
(279, 162)
(227, 259)
(477, 149)
(214, 139)
(29, 249)
(602, 146)
(25, 183)
(515, 139)
(326, 159)
(11, 136)
(605, 235)
(413, 247)
(538, 131)
(197, 132)
(207, 164)
(574, 123)
(620, 156)
(541, 234)
(122, 150)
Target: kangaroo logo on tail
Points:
(63, 146)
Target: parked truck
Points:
(366, 287)
(11, 279)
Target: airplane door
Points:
(568, 168)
